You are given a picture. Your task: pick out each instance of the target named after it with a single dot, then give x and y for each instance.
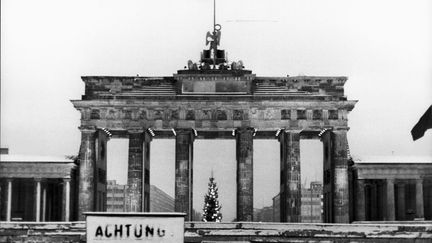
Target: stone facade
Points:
(311, 203)
(211, 104)
(216, 99)
(116, 197)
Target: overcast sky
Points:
(384, 47)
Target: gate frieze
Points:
(214, 115)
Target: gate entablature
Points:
(214, 115)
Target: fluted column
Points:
(360, 201)
(290, 200)
(401, 201)
(390, 200)
(44, 199)
(9, 200)
(340, 180)
(135, 171)
(66, 200)
(419, 199)
(184, 172)
(373, 201)
(244, 137)
(38, 199)
(146, 155)
(87, 160)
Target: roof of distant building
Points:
(393, 159)
(15, 158)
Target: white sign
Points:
(134, 227)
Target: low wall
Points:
(42, 232)
(302, 232)
(236, 232)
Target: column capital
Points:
(87, 129)
(400, 183)
(292, 131)
(361, 181)
(245, 129)
(241, 131)
(66, 179)
(38, 179)
(186, 132)
(135, 130)
(105, 132)
(419, 181)
(148, 137)
(340, 129)
(183, 130)
(289, 136)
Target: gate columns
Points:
(183, 172)
(340, 180)
(244, 154)
(87, 162)
(290, 186)
(138, 198)
(336, 186)
(135, 171)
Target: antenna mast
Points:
(214, 15)
(214, 34)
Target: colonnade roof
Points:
(18, 158)
(393, 159)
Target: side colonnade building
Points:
(37, 188)
(392, 188)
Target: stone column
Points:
(390, 200)
(290, 200)
(87, 161)
(44, 198)
(340, 180)
(66, 200)
(9, 200)
(327, 177)
(38, 199)
(135, 171)
(360, 201)
(183, 172)
(146, 175)
(419, 199)
(373, 201)
(400, 201)
(244, 154)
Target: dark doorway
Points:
(23, 200)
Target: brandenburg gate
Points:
(215, 99)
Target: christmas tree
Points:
(211, 211)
